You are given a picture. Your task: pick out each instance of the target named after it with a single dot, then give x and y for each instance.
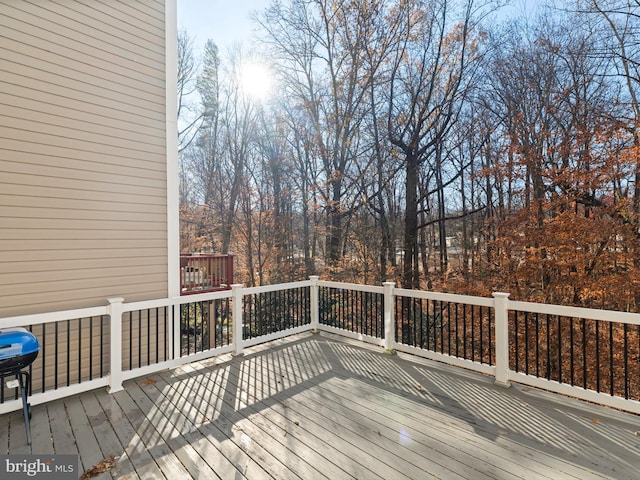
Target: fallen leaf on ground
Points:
(102, 466)
(148, 381)
(420, 388)
(595, 421)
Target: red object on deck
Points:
(200, 273)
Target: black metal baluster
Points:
(55, 356)
(490, 339)
(559, 349)
(165, 328)
(68, 352)
(548, 375)
(90, 348)
(571, 361)
(464, 329)
(626, 360)
(597, 356)
(441, 328)
(611, 368)
(102, 320)
(473, 333)
(130, 315)
(157, 335)
(584, 353)
(537, 344)
(79, 350)
(448, 328)
(457, 331)
(149, 336)
(526, 342)
(516, 343)
(139, 338)
(481, 352)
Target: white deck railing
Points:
(488, 335)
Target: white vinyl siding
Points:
(83, 187)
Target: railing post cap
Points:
(314, 278)
(235, 286)
(391, 284)
(113, 300)
(500, 294)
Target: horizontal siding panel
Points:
(148, 20)
(69, 40)
(14, 138)
(85, 196)
(86, 276)
(85, 253)
(94, 96)
(102, 111)
(59, 134)
(37, 182)
(134, 84)
(152, 23)
(91, 172)
(29, 109)
(62, 54)
(72, 17)
(102, 244)
(66, 204)
(31, 212)
(15, 74)
(97, 225)
(28, 264)
(37, 302)
(79, 284)
(81, 234)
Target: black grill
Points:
(18, 349)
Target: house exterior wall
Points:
(83, 154)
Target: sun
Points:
(256, 80)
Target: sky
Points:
(227, 21)
(223, 21)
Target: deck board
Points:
(314, 407)
(107, 440)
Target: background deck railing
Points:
(590, 354)
(205, 272)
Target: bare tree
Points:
(318, 45)
(428, 81)
(189, 116)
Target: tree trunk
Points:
(410, 275)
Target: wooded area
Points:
(434, 143)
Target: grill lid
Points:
(17, 341)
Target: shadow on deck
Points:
(314, 407)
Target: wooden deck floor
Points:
(313, 407)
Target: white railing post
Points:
(501, 306)
(389, 318)
(236, 294)
(315, 305)
(115, 348)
